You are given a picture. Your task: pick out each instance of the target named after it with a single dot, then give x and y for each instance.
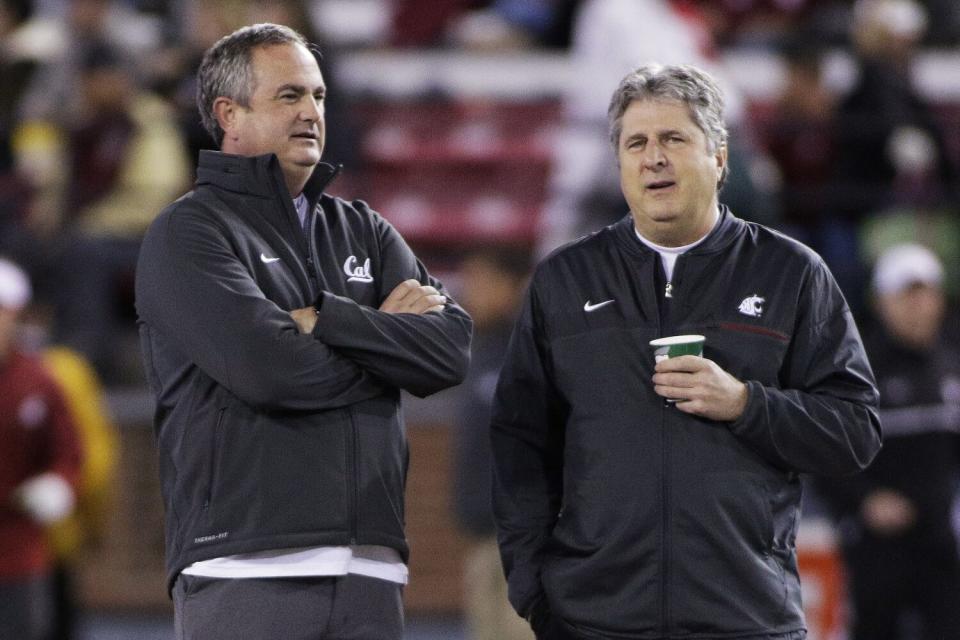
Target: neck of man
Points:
(296, 181)
(679, 232)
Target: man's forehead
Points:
(279, 64)
(658, 113)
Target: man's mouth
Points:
(309, 135)
(660, 184)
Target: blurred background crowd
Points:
(478, 128)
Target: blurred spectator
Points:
(610, 38)
(40, 462)
(127, 159)
(800, 139)
(99, 441)
(766, 23)
(59, 39)
(891, 147)
(493, 282)
(492, 25)
(27, 43)
(17, 65)
(895, 517)
(86, 25)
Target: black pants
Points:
(554, 629)
(347, 607)
(888, 578)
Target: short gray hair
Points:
(226, 68)
(682, 83)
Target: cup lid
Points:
(672, 340)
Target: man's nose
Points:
(653, 156)
(312, 110)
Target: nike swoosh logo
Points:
(593, 307)
(265, 260)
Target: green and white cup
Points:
(673, 346)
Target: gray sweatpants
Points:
(347, 607)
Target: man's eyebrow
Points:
(662, 133)
(299, 89)
(670, 132)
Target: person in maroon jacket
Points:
(39, 467)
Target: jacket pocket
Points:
(214, 462)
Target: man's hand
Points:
(700, 387)
(408, 297)
(305, 318)
(412, 297)
(887, 512)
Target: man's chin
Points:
(663, 217)
(303, 162)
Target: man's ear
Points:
(225, 110)
(721, 156)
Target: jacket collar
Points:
(258, 175)
(727, 229)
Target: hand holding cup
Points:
(694, 384)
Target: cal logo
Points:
(357, 272)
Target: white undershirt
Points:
(669, 255)
(365, 560)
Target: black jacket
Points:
(270, 438)
(920, 411)
(630, 519)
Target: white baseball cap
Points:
(903, 265)
(15, 291)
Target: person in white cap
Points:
(898, 542)
(39, 466)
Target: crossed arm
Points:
(407, 297)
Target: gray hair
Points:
(682, 83)
(226, 69)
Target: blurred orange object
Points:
(822, 579)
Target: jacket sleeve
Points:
(822, 418)
(422, 353)
(194, 290)
(527, 445)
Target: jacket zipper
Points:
(353, 465)
(665, 461)
(214, 448)
(665, 321)
(313, 258)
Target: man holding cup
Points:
(621, 514)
